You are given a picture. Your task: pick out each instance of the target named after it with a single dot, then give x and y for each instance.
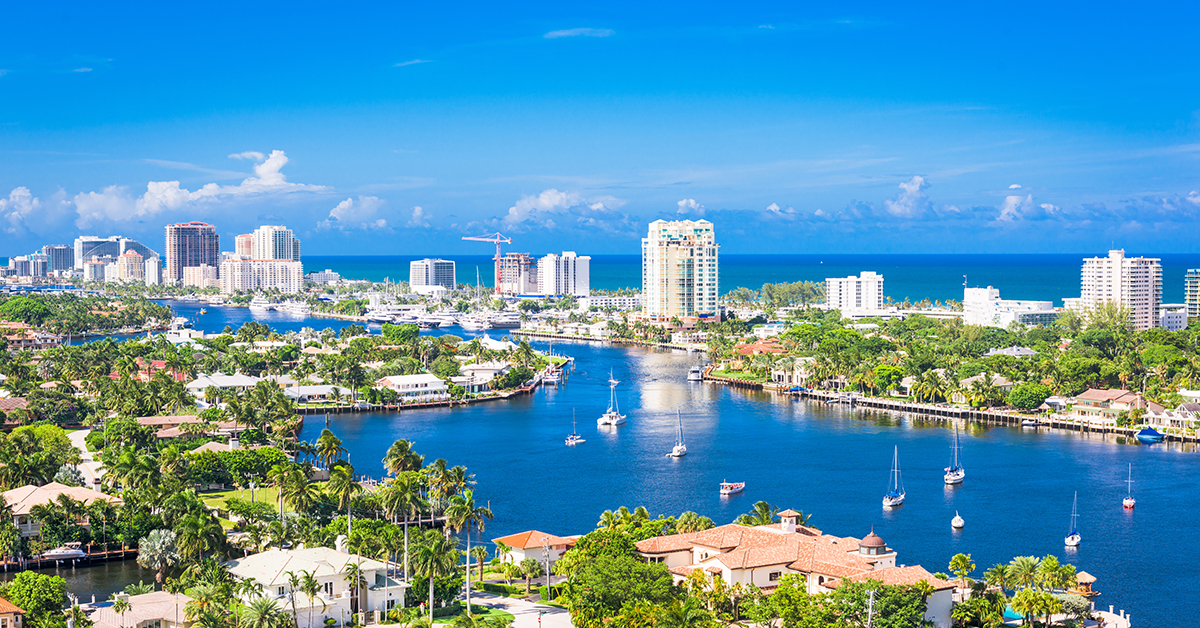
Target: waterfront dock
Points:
(93, 557)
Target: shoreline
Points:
(613, 341)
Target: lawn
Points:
(268, 494)
(489, 613)
(743, 375)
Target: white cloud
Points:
(15, 209)
(580, 32)
(114, 203)
(911, 202)
(769, 26)
(532, 208)
(554, 209)
(689, 206)
(252, 155)
(412, 62)
(418, 219)
(82, 70)
(1194, 197)
(351, 214)
(1015, 208)
(774, 212)
(1015, 186)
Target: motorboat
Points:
(1031, 423)
(574, 438)
(613, 416)
(1129, 502)
(261, 304)
(731, 488)
(895, 494)
(1073, 538)
(505, 320)
(428, 322)
(679, 450)
(70, 551)
(551, 376)
(695, 374)
(181, 322)
(473, 323)
(1150, 435)
(955, 472)
(957, 522)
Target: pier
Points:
(92, 557)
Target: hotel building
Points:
(864, 292)
(107, 249)
(985, 308)
(428, 275)
(190, 244)
(561, 275)
(680, 270)
(248, 275)
(1135, 282)
(131, 267)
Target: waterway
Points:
(828, 461)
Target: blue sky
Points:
(398, 128)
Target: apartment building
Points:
(60, 256)
(244, 245)
(190, 244)
(566, 274)
(247, 275)
(274, 242)
(1191, 292)
(131, 267)
(864, 292)
(984, 307)
(427, 275)
(1135, 282)
(202, 276)
(680, 272)
(88, 248)
(518, 274)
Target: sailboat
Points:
(957, 522)
(1129, 502)
(574, 438)
(955, 472)
(613, 416)
(1073, 539)
(895, 495)
(679, 450)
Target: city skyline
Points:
(822, 131)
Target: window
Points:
(329, 589)
(774, 576)
(280, 590)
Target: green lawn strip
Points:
(488, 613)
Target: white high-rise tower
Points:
(1135, 282)
(679, 270)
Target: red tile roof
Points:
(531, 539)
(9, 404)
(9, 607)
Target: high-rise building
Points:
(190, 244)
(275, 242)
(427, 274)
(62, 257)
(154, 271)
(247, 275)
(202, 276)
(244, 245)
(93, 270)
(107, 249)
(560, 275)
(984, 307)
(1135, 282)
(679, 270)
(131, 267)
(864, 292)
(19, 266)
(1191, 292)
(518, 274)
(39, 265)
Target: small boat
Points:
(574, 438)
(895, 494)
(695, 374)
(957, 522)
(203, 311)
(66, 552)
(1150, 435)
(955, 472)
(428, 322)
(679, 450)
(730, 488)
(551, 376)
(1031, 423)
(470, 323)
(1073, 539)
(1129, 502)
(613, 416)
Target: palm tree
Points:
(198, 534)
(764, 514)
(530, 568)
(961, 566)
(436, 557)
(157, 551)
(480, 554)
(401, 457)
(686, 613)
(1022, 572)
(342, 486)
(121, 606)
(356, 579)
(997, 576)
(310, 587)
(263, 612)
(463, 514)
(329, 448)
(692, 522)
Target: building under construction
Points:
(518, 274)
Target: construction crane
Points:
(497, 239)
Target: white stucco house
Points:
(535, 545)
(236, 382)
(485, 371)
(418, 387)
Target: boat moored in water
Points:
(69, 551)
(895, 494)
(955, 472)
(1129, 502)
(1073, 538)
(957, 522)
(695, 374)
(679, 450)
(613, 416)
(730, 488)
(1150, 435)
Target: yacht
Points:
(69, 551)
(574, 438)
(679, 450)
(695, 374)
(957, 522)
(895, 494)
(428, 322)
(261, 304)
(474, 323)
(505, 320)
(1073, 539)
(181, 322)
(730, 488)
(955, 472)
(613, 416)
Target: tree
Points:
(402, 457)
(764, 514)
(342, 486)
(1028, 395)
(602, 586)
(685, 613)
(120, 607)
(530, 569)
(692, 522)
(40, 596)
(262, 612)
(436, 557)
(962, 567)
(157, 551)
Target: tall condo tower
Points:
(275, 242)
(423, 273)
(679, 270)
(1135, 282)
(562, 275)
(190, 244)
(864, 292)
(244, 245)
(1191, 292)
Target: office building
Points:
(93, 270)
(61, 256)
(561, 275)
(248, 275)
(1191, 292)
(190, 244)
(131, 267)
(202, 276)
(153, 271)
(518, 274)
(1135, 282)
(427, 274)
(244, 245)
(984, 307)
(1173, 316)
(107, 249)
(274, 242)
(864, 292)
(680, 270)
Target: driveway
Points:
(526, 613)
(91, 468)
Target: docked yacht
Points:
(261, 304)
(613, 416)
(505, 320)
(474, 323)
(70, 551)
(428, 322)
(695, 374)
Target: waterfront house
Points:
(418, 387)
(167, 427)
(236, 382)
(768, 346)
(329, 566)
(20, 336)
(317, 393)
(1013, 352)
(486, 371)
(535, 545)
(158, 609)
(1000, 383)
(11, 615)
(761, 555)
(1104, 405)
(794, 372)
(21, 501)
(1186, 416)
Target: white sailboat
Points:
(955, 472)
(957, 522)
(613, 416)
(1073, 539)
(679, 450)
(895, 494)
(1129, 501)
(574, 438)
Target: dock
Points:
(93, 557)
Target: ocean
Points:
(1049, 277)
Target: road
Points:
(91, 468)
(526, 613)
